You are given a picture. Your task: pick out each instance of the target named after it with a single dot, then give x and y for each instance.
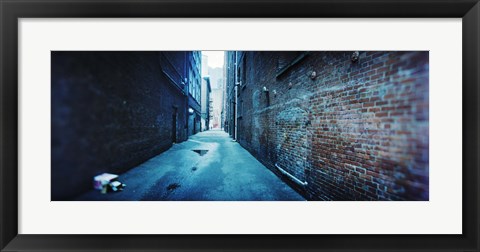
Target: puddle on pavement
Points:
(201, 152)
(173, 186)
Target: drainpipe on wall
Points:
(293, 178)
(236, 87)
(185, 72)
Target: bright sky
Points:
(215, 58)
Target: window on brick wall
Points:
(193, 88)
(190, 83)
(286, 60)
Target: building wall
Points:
(112, 111)
(216, 77)
(356, 131)
(216, 80)
(194, 80)
(229, 101)
(205, 103)
(217, 96)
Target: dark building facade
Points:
(338, 125)
(112, 111)
(194, 81)
(206, 103)
(230, 99)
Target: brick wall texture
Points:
(110, 112)
(353, 130)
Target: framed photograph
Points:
(251, 126)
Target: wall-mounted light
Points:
(265, 89)
(355, 56)
(190, 111)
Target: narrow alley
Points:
(240, 125)
(208, 166)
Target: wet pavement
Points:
(208, 166)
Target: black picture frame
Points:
(12, 10)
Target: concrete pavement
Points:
(209, 166)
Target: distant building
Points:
(216, 80)
(217, 98)
(216, 77)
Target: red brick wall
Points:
(357, 131)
